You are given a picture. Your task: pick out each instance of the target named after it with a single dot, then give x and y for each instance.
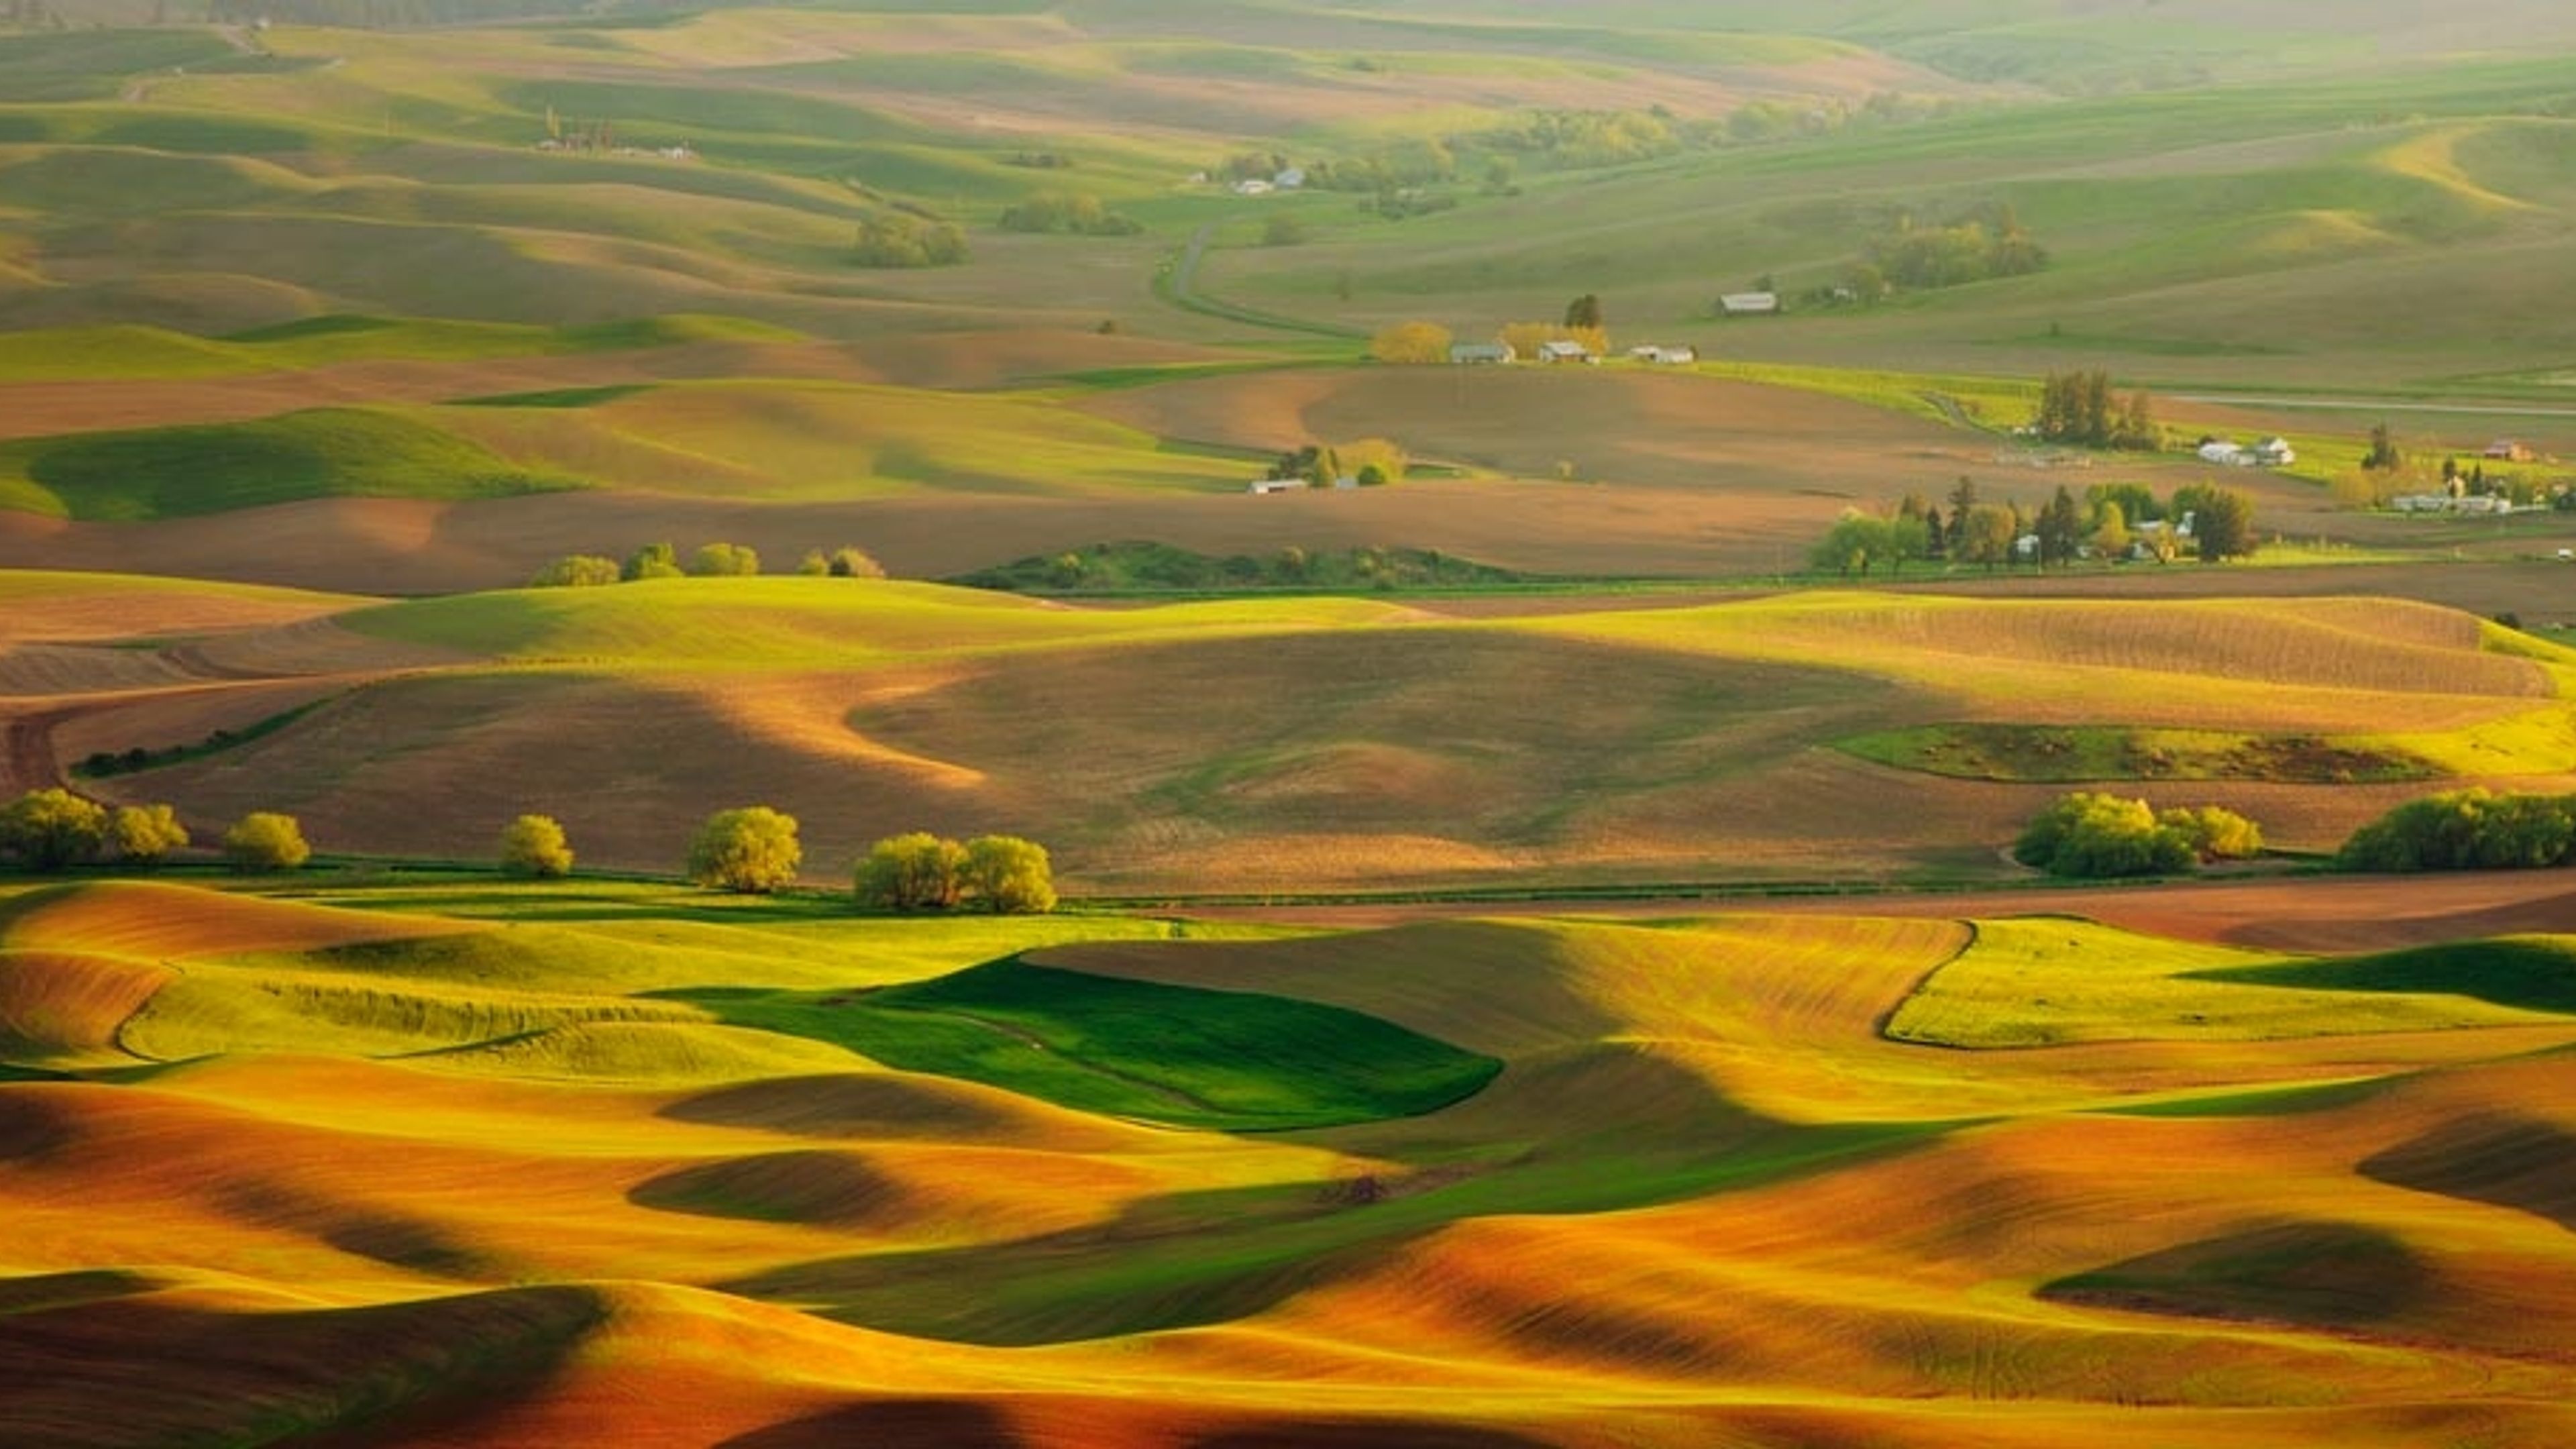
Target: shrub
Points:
(723, 560)
(652, 561)
(896, 240)
(2473, 829)
(52, 829)
(2215, 833)
(1009, 876)
(915, 872)
(577, 571)
(264, 840)
(533, 847)
(752, 850)
(849, 561)
(146, 834)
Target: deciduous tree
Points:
(266, 840)
(752, 851)
(912, 872)
(1009, 876)
(533, 847)
(144, 835)
(52, 829)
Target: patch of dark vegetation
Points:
(201, 468)
(1221, 1060)
(2528, 973)
(556, 397)
(810, 1186)
(329, 324)
(1356, 1433)
(1142, 567)
(2075, 754)
(102, 764)
(2310, 1273)
(924, 1423)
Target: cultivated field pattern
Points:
(1542, 957)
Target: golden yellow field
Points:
(465, 1181)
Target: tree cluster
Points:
(2472, 829)
(2078, 408)
(710, 560)
(1370, 462)
(896, 240)
(1411, 343)
(2063, 529)
(1077, 213)
(1859, 542)
(1002, 874)
(1986, 243)
(2091, 835)
(51, 830)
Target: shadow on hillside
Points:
(2495, 1158)
(914, 1423)
(1197, 1258)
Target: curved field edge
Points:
(2053, 981)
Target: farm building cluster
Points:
(1564, 349)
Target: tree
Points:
(1963, 496)
(2222, 520)
(723, 560)
(1009, 876)
(1988, 535)
(265, 840)
(533, 847)
(2110, 536)
(652, 561)
(914, 872)
(2060, 529)
(751, 851)
(850, 561)
(2383, 455)
(1859, 542)
(145, 835)
(1284, 229)
(52, 829)
(577, 571)
(1584, 313)
(1411, 342)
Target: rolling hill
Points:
(572, 1217)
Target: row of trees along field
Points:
(54, 830)
(2113, 521)
(754, 850)
(710, 561)
(2090, 834)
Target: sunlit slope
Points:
(1292, 743)
(1706, 1200)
